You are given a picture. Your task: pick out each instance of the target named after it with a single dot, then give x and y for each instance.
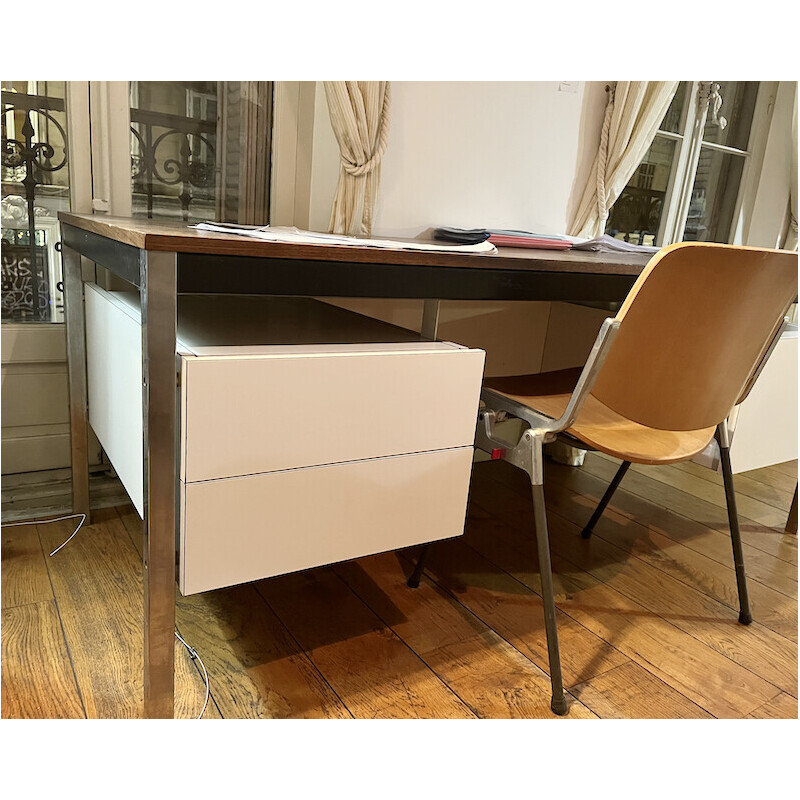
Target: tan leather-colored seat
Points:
(597, 425)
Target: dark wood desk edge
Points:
(249, 274)
(174, 237)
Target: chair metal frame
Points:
(528, 454)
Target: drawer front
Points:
(243, 529)
(248, 415)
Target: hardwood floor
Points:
(647, 613)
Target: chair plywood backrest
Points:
(693, 328)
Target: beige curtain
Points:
(359, 112)
(634, 112)
(244, 131)
(790, 242)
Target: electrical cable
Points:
(195, 657)
(192, 652)
(55, 519)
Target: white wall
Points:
(472, 155)
(767, 219)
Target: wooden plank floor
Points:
(647, 613)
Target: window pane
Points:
(200, 150)
(673, 117)
(34, 170)
(636, 214)
(714, 195)
(738, 104)
(173, 148)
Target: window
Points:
(173, 148)
(200, 150)
(688, 185)
(35, 177)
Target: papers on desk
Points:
(292, 235)
(543, 241)
(608, 244)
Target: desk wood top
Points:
(166, 235)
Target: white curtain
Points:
(634, 112)
(359, 112)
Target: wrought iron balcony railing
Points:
(173, 151)
(26, 289)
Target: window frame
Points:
(689, 142)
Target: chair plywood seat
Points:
(597, 425)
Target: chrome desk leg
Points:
(76, 366)
(430, 319)
(429, 329)
(158, 288)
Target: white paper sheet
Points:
(297, 236)
(609, 244)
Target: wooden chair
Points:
(660, 382)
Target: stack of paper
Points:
(293, 235)
(608, 244)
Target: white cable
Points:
(193, 655)
(192, 652)
(55, 519)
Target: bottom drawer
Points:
(235, 530)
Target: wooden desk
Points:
(163, 259)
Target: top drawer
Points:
(248, 414)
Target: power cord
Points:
(55, 519)
(195, 657)
(192, 652)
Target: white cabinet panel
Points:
(247, 415)
(765, 429)
(114, 372)
(244, 529)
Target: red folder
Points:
(529, 241)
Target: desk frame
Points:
(160, 275)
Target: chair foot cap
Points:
(558, 706)
(586, 533)
(413, 582)
(745, 619)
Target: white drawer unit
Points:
(308, 434)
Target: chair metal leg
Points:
(733, 520)
(791, 520)
(601, 506)
(414, 579)
(558, 703)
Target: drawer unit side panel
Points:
(243, 529)
(251, 415)
(114, 375)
